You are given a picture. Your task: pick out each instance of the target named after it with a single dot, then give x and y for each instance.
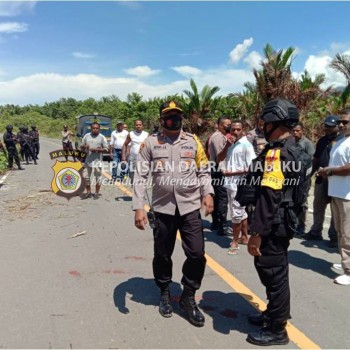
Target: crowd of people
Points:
(187, 177)
(28, 142)
(265, 221)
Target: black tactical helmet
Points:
(9, 127)
(25, 128)
(280, 110)
(33, 127)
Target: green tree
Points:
(341, 63)
(274, 79)
(200, 106)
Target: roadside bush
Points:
(3, 163)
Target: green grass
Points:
(3, 163)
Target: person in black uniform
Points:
(271, 227)
(26, 145)
(34, 134)
(10, 143)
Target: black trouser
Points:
(36, 149)
(272, 268)
(220, 199)
(303, 214)
(190, 227)
(28, 152)
(12, 153)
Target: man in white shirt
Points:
(238, 159)
(338, 174)
(94, 144)
(118, 138)
(135, 138)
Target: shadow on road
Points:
(229, 311)
(308, 262)
(123, 198)
(142, 291)
(319, 244)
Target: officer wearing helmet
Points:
(181, 185)
(25, 141)
(34, 134)
(271, 228)
(10, 141)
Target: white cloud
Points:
(238, 52)
(187, 71)
(13, 27)
(320, 65)
(142, 71)
(82, 55)
(253, 60)
(48, 87)
(15, 8)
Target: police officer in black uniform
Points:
(34, 134)
(10, 141)
(25, 141)
(274, 221)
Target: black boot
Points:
(274, 334)
(165, 307)
(188, 304)
(261, 320)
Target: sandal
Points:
(232, 250)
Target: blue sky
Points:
(50, 50)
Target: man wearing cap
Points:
(338, 174)
(274, 220)
(181, 186)
(118, 138)
(321, 198)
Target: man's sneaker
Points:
(344, 280)
(311, 237)
(337, 267)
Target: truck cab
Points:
(83, 127)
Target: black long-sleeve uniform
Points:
(270, 221)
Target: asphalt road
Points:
(95, 290)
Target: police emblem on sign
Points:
(68, 179)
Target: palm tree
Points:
(274, 79)
(199, 106)
(341, 63)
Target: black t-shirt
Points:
(323, 149)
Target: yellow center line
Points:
(295, 335)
